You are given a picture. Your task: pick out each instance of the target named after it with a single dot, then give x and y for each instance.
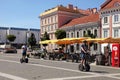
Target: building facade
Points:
(21, 34)
(110, 19)
(79, 27)
(3, 33)
(53, 19)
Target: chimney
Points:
(75, 8)
(94, 10)
(70, 6)
(89, 9)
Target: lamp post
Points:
(27, 36)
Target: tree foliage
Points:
(11, 38)
(89, 34)
(45, 37)
(32, 40)
(60, 34)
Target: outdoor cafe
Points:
(114, 59)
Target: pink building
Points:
(110, 20)
(54, 18)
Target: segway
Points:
(86, 66)
(24, 60)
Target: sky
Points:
(25, 13)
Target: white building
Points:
(21, 34)
(110, 19)
(79, 27)
(3, 33)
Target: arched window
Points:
(88, 32)
(95, 32)
(72, 35)
(77, 34)
(84, 33)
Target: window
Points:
(72, 48)
(51, 27)
(0, 38)
(84, 33)
(77, 34)
(51, 19)
(48, 20)
(105, 19)
(77, 46)
(95, 32)
(45, 21)
(89, 32)
(48, 28)
(116, 33)
(116, 18)
(51, 36)
(67, 35)
(41, 22)
(95, 46)
(105, 33)
(72, 35)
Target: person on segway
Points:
(24, 51)
(84, 48)
(24, 54)
(84, 52)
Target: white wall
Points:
(3, 35)
(21, 34)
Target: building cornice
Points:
(59, 8)
(83, 26)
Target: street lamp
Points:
(27, 36)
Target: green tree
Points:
(60, 34)
(32, 40)
(45, 37)
(11, 38)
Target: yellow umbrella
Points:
(110, 40)
(71, 40)
(45, 42)
(95, 39)
(81, 39)
(53, 41)
(48, 41)
(64, 41)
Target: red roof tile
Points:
(86, 12)
(109, 4)
(82, 20)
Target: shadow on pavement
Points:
(34, 63)
(99, 71)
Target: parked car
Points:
(6, 48)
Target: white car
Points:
(6, 48)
